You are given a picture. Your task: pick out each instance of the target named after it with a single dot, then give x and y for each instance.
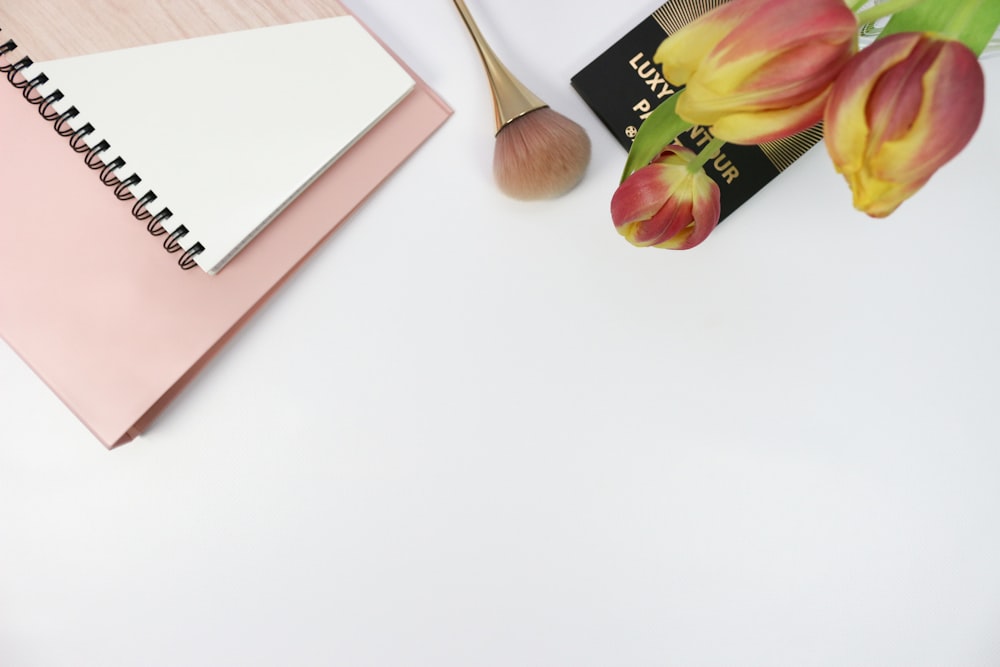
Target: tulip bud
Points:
(665, 205)
(900, 109)
(759, 70)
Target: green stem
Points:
(706, 154)
(873, 14)
(856, 5)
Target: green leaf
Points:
(972, 22)
(657, 131)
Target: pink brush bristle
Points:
(539, 155)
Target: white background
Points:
(475, 431)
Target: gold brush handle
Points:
(511, 98)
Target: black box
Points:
(623, 86)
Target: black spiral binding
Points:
(92, 155)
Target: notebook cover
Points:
(623, 85)
(90, 302)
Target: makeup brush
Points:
(539, 153)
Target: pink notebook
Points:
(88, 298)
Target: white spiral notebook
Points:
(213, 136)
(90, 301)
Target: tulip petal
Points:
(753, 57)
(950, 112)
(641, 198)
(683, 51)
(778, 25)
(674, 215)
(899, 110)
(665, 205)
(846, 122)
(705, 213)
(760, 126)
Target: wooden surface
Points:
(49, 29)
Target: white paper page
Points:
(228, 129)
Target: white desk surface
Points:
(474, 431)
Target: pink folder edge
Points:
(72, 337)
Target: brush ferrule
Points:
(511, 98)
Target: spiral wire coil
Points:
(94, 156)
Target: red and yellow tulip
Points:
(759, 70)
(899, 110)
(665, 204)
